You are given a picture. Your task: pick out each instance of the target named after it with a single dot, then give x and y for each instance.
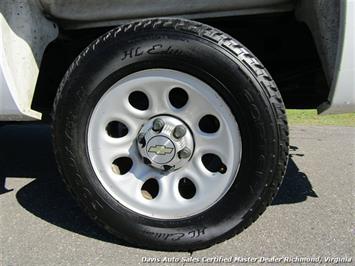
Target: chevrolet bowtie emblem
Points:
(160, 150)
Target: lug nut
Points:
(184, 153)
(179, 132)
(146, 161)
(158, 125)
(167, 167)
(140, 138)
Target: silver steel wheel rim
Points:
(126, 188)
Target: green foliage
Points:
(310, 117)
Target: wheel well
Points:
(283, 44)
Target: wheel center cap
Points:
(165, 143)
(160, 149)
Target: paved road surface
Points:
(311, 217)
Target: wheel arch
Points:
(24, 35)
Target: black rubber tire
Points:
(217, 59)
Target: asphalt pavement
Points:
(311, 218)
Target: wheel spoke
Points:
(130, 186)
(107, 150)
(115, 106)
(213, 143)
(157, 93)
(143, 171)
(168, 196)
(204, 181)
(195, 109)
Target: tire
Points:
(185, 52)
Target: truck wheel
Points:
(170, 134)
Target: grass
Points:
(310, 117)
